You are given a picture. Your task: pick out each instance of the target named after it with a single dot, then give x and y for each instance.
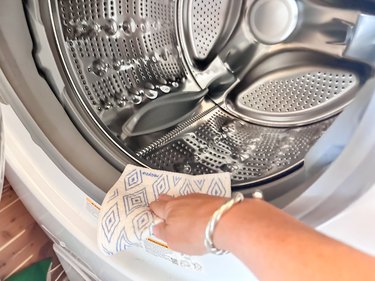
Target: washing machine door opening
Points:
(159, 84)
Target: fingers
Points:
(158, 206)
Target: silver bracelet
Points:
(208, 241)
(236, 198)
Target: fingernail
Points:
(155, 230)
(164, 197)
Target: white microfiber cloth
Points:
(125, 218)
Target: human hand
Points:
(185, 220)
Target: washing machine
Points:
(280, 93)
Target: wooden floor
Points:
(22, 242)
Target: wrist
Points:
(210, 228)
(229, 230)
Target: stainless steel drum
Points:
(203, 86)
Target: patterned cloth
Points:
(125, 218)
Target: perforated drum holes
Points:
(207, 21)
(221, 143)
(298, 93)
(113, 48)
(296, 97)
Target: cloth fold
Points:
(125, 218)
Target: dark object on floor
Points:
(37, 271)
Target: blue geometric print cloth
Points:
(125, 218)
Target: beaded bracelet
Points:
(236, 198)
